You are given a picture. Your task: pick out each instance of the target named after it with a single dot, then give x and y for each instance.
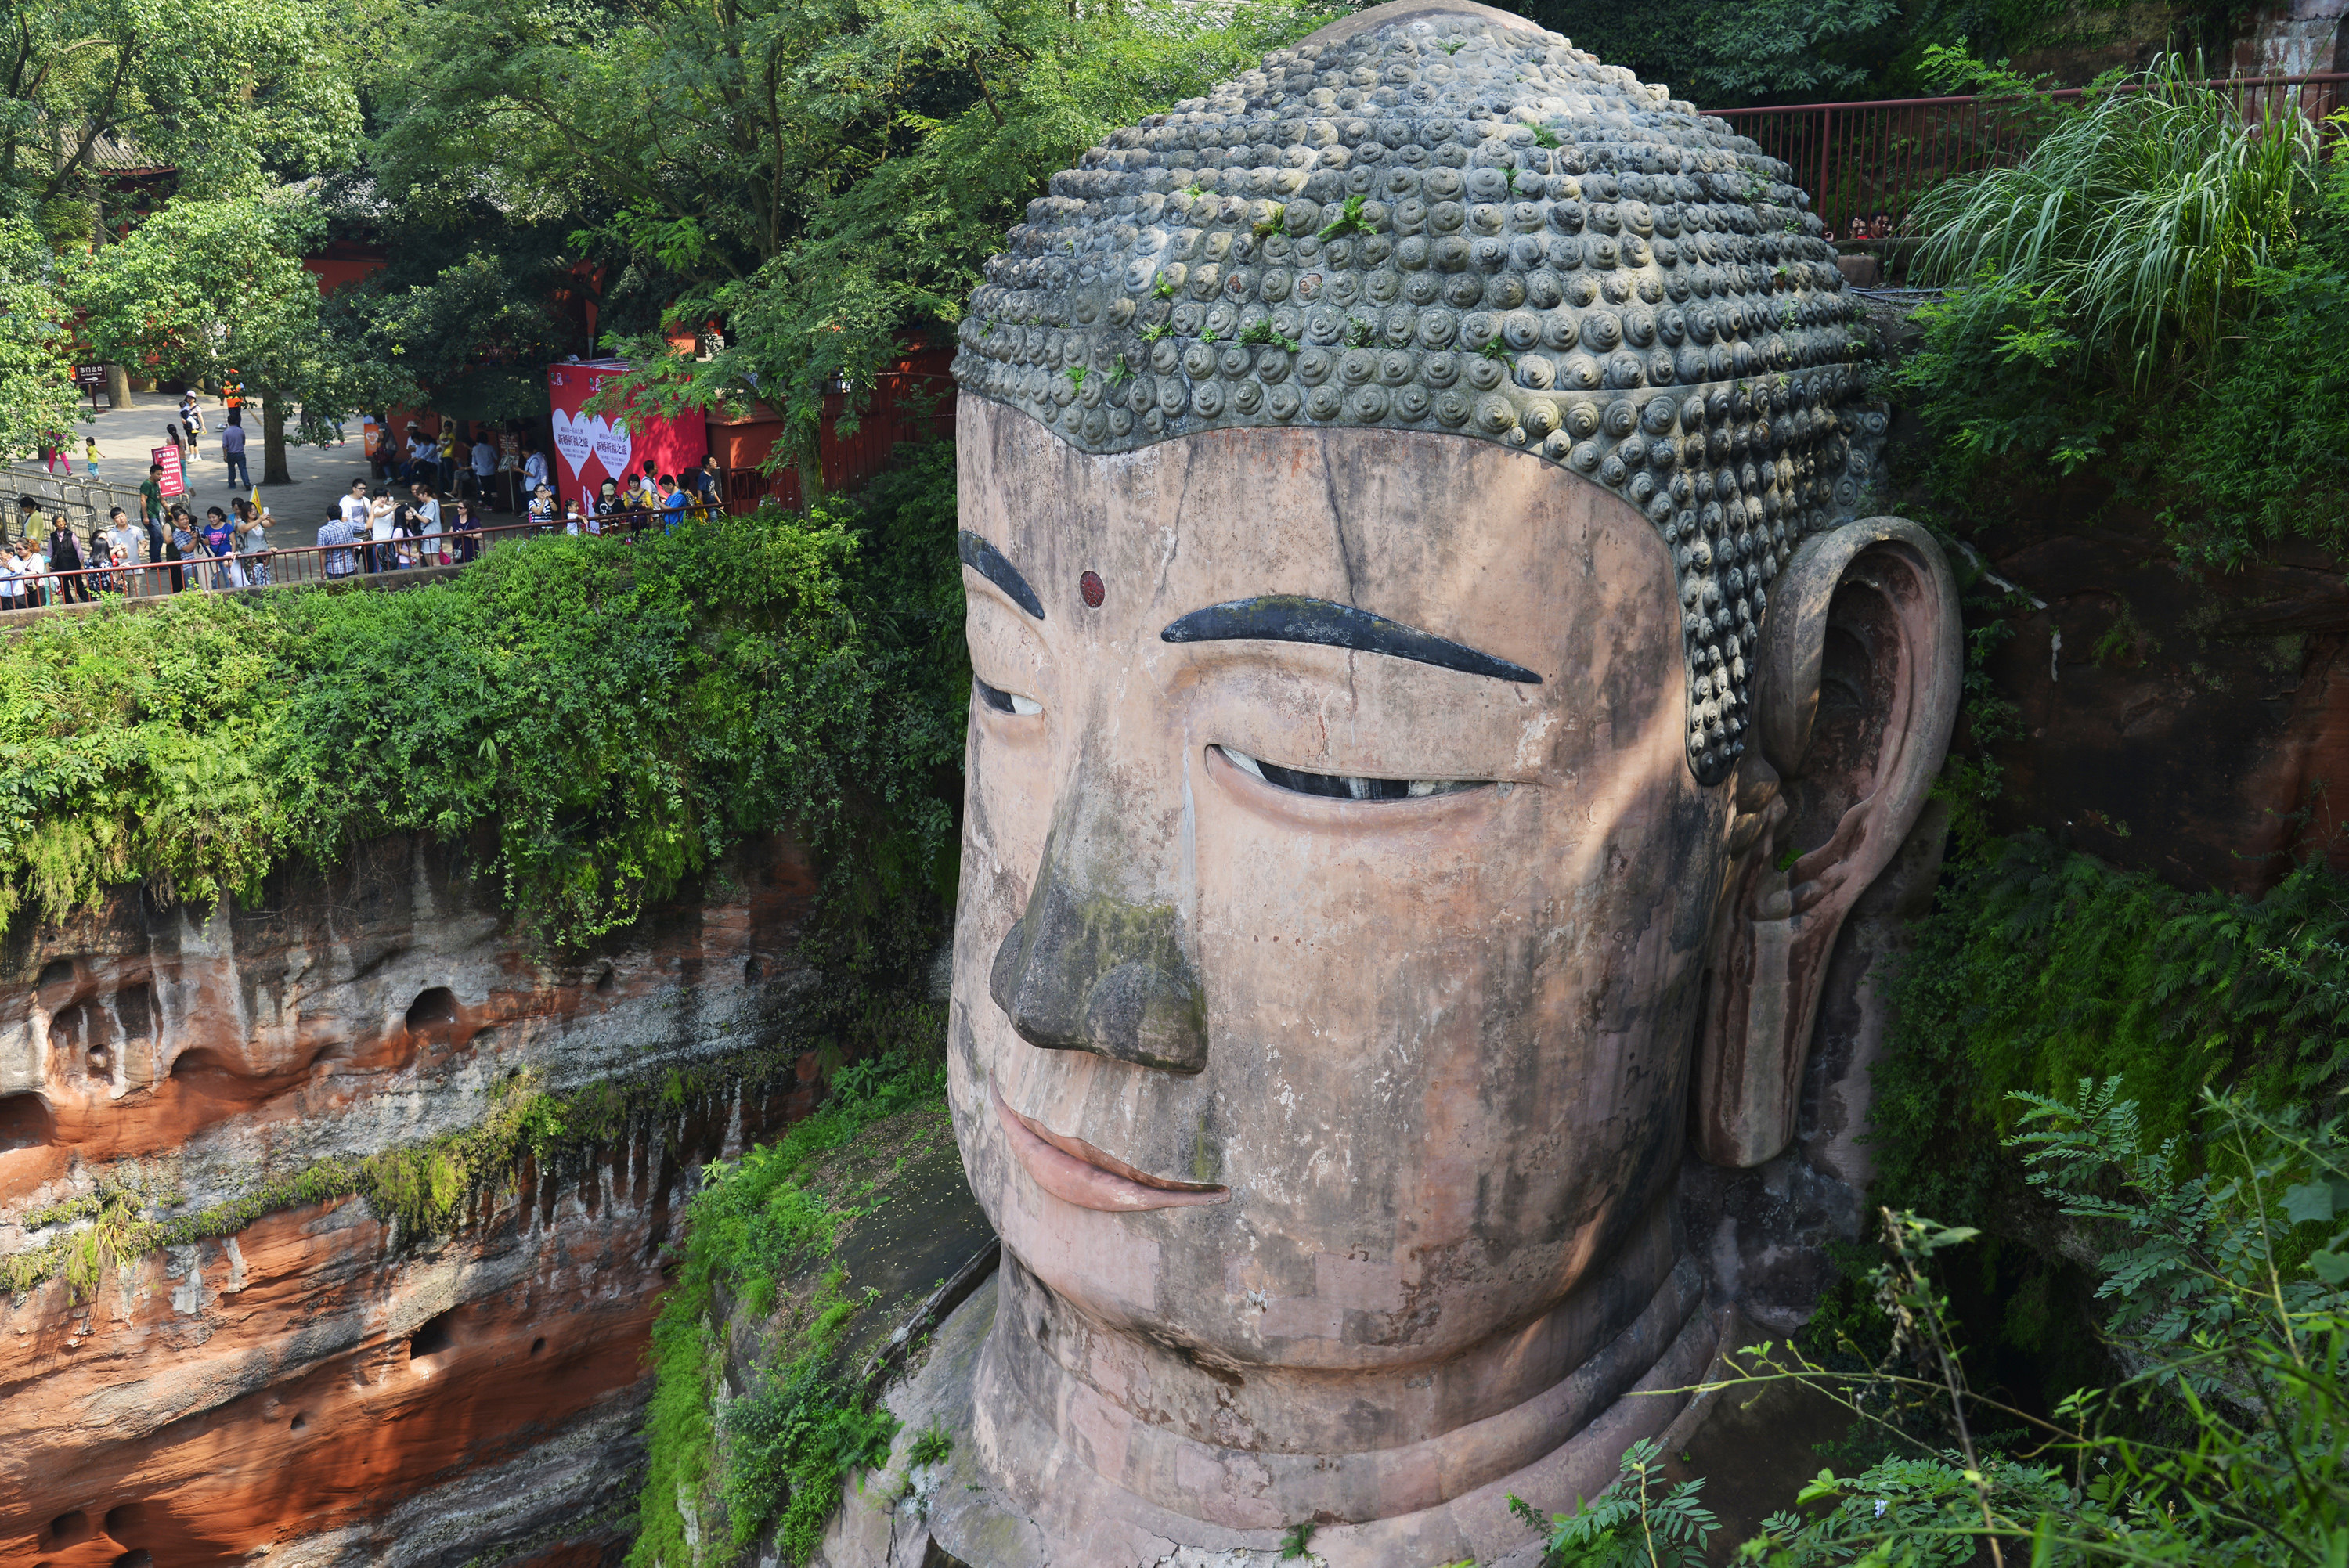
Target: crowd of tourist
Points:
(427, 505)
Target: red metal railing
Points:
(366, 559)
(1865, 164)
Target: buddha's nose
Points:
(1087, 970)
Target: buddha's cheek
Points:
(1435, 1032)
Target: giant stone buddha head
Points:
(1435, 706)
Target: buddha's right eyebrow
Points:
(989, 562)
(1292, 618)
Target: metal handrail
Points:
(2300, 80)
(364, 560)
(1866, 163)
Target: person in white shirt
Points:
(130, 544)
(12, 592)
(354, 506)
(383, 556)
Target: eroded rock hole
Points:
(752, 972)
(57, 972)
(300, 1423)
(67, 1528)
(26, 1122)
(205, 1072)
(137, 1558)
(538, 1344)
(87, 1029)
(606, 983)
(434, 1011)
(121, 1520)
(431, 1338)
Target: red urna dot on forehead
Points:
(1090, 585)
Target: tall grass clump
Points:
(2145, 216)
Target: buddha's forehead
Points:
(1460, 540)
(1390, 521)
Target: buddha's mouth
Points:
(1076, 1172)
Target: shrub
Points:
(2264, 455)
(2039, 967)
(797, 1432)
(612, 717)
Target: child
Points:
(89, 452)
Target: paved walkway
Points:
(125, 437)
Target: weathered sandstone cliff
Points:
(279, 1369)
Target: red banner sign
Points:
(175, 478)
(591, 448)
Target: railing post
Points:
(1827, 139)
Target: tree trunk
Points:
(273, 443)
(118, 386)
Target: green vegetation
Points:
(2221, 1254)
(1637, 1521)
(780, 1451)
(2038, 968)
(595, 721)
(823, 179)
(425, 1188)
(207, 287)
(2147, 215)
(163, 79)
(2144, 299)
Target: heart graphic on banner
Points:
(575, 436)
(614, 446)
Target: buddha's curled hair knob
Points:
(1465, 226)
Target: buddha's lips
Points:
(1076, 1172)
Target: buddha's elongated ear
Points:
(1854, 700)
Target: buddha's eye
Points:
(1343, 786)
(1006, 701)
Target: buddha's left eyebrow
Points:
(990, 563)
(1290, 618)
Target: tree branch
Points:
(984, 89)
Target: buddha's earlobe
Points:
(1855, 698)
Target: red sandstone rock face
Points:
(313, 1384)
(2195, 726)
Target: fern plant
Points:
(2228, 1441)
(1635, 1521)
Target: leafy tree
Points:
(207, 287)
(1724, 56)
(225, 93)
(36, 394)
(821, 176)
